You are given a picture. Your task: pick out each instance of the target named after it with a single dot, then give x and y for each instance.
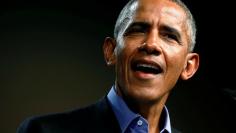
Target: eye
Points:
(136, 29)
(170, 34)
(170, 37)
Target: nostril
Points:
(149, 49)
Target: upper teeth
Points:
(146, 65)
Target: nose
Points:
(151, 44)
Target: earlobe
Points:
(109, 51)
(191, 66)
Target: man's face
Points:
(154, 52)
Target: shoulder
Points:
(173, 130)
(42, 123)
(77, 120)
(58, 121)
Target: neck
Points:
(151, 111)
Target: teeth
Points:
(147, 68)
(146, 65)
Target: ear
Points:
(109, 51)
(191, 66)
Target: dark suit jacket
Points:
(96, 118)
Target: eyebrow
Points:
(144, 25)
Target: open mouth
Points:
(148, 67)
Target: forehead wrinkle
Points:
(175, 12)
(157, 8)
(150, 8)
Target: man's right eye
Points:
(136, 30)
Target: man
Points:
(152, 49)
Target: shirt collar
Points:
(166, 120)
(125, 116)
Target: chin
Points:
(145, 94)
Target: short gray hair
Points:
(129, 9)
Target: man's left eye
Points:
(170, 37)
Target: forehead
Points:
(164, 11)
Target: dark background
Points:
(51, 60)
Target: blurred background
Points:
(51, 60)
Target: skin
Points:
(157, 35)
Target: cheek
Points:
(123, 58)
(175, 59)
(174, 69)
(125, 53)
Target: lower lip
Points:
(142, 75)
